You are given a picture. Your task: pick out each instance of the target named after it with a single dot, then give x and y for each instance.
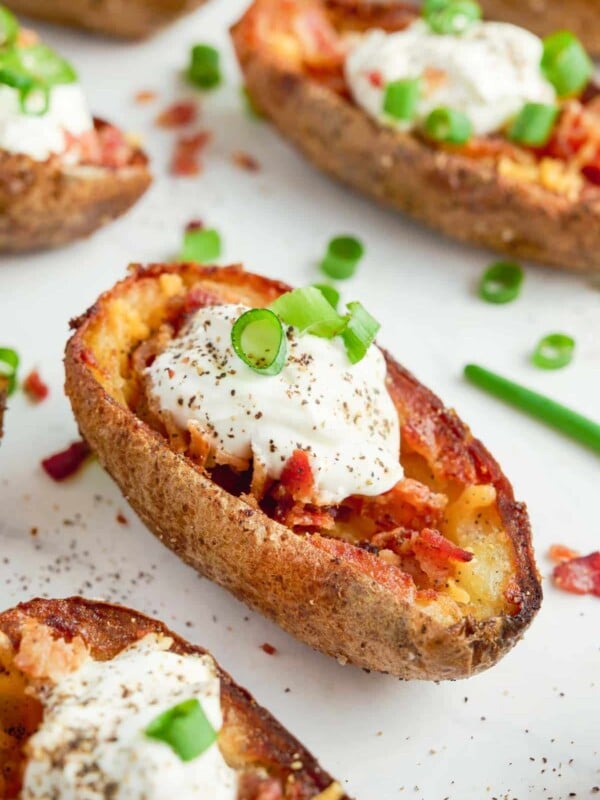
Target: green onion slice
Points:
(259, 340)
(185, 728)
(204, 70)
(342, 257)
(46, 66)
(549, 411)
(9, 364)
(554, 351)
(448, 125)
(201, 245)
(360, 332)
(329, 293)
(534, 124)
(566, 64)
(453, 17)
(308, 310)
(9, 27)
(501, 282)
(401, 97)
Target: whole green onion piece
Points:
(360, 332)
(9, 27)
(204, 70)
(454, 17)
(329, 293)
(9, 364)
(342, 257)
(401, 97)
(185, 728)
(308, 310)
(501, 282)
(258, 338)
(564, 419)
(534, 124)
(448, 125)
(201, 245)
(554, 351)
(566, 64)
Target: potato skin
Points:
(462, 197)
(129, 19)
(252, 735)
(326, 602)
(43, 205)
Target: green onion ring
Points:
(258, 338)
(534, 124)
(201, 245)
(342, 257)
(329, 293)
(9, 365)
(566, 64)
(448, 125)
(360, 332)
(501, 282)
(401, 97)
(454, 17)
(554, 351)
(185, 728)
(310, 312)
(204, 70)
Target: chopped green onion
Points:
(566, 64)
(9, 364)
(360, 332)
(201, 245)
(342, 257)
(9, 27)
(554, 351)
(533, 126)
(431, 6)
(45, 65)
(453, 17)
(308, 310)
(501, 282)
(549, 411)
(448, 125)
(259, 340)
(329, 293)
(185, 728)
(401, 98)
(204, 69)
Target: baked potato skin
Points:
(462, 197)
(252, 736)
(43, 205)
(326, 602)
(129, 19)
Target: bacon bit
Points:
(268, 649)
(35, 388)
(245, 161)
(186, 157)
(375, 78)
(297, 476)
(300, 516)
(255, 787)
(579, 575)
(436, 554)
(145, 96)
(42, 657)
(409, 504)
(66, 463)
(198, 297)
(592, 173)
(178, 114)
(560, 553)
(194, 225)
(121, 518)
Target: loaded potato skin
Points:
(299, 84)
(340, 598)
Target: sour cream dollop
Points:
(340, 413)
(489, 72)
(39, 137)
(91, 744)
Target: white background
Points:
(482, 738)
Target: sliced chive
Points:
(329, 293)
(202, 245)
(360, 332)
(448, 125)
(342, 257)
(534, 124)
(204, 70)
(554, 351)
(401, 97)
(185, 728)
(566, 64)
(453, 17)
(501, 282)
(259, 340)
(309, 311)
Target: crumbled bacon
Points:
(186, 156)
(409, 504)
(43, 657)
(560, 552)
(145, 96)
(66, 463)
(194, 225)
(297, 477)
(178, 114)
(437, 555)
(35, 388)
(198, 297)
(245, 161)
(375, 78)
(105, 146)
(579, 575)
(268, 649)
(253, 786)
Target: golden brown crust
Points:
(462, 197)
(328, 602)
(251, 737)
(130, 19)
(45, 205)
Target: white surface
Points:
(385, 739)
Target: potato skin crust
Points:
(43, 205)
(129, 19)
(254, 734)
(462, 197)
(327, 603)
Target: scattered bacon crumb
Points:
(186, 157)
(579, 575)
(560, 553)
(66, 463)
(122, 519)
(178, 114)
(35, 388)
(297, 477)
(375, 78)
(245, 161)
(268, 649)
(145, 96)
(194, 225)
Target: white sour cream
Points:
(91, 744)
(42, 136)
(341, 414)
(489, 72)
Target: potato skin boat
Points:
(325, 600)
(462, 197)
(250, 737)
(129, 19)
(44, 204)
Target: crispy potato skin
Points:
(252, 737)
(129, 19)
(328, 603)
(462, 197)
(43, 205)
